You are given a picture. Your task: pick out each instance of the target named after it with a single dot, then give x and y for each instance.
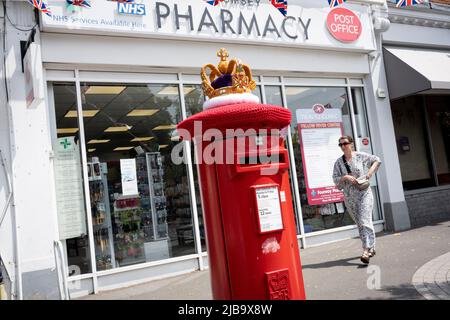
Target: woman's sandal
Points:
(365, 258)
(372, 252)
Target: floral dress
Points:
(359, 203)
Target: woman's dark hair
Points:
(350, 139)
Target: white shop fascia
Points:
(257, 22)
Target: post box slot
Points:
(260, 160)
(254, 162)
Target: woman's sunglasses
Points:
(344, 144)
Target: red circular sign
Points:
(344, 25)
(318, 108)
(365, 141)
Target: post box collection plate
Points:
(268, 208)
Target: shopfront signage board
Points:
(319, 131)
(257, 22)
(344, 25)
(69, 189)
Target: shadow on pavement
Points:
(400, 292)
(336, 263)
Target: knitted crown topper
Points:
(229, 77)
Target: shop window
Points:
(273, 95)
(140, 200)
(412, 142)
(69, 181)
(330, 214)
(194, 104)
(439, 123)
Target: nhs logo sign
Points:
(137, 9)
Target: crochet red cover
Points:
(243, 116)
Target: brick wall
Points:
(428, 207)
(441, 1)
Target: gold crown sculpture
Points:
(230, 77)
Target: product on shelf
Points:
(101, 217)
(151, 187)
(129, 234)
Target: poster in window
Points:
(129, 177)
(69, 189)
(319, 131)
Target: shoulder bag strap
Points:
(349, 171)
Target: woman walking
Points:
(351, 174)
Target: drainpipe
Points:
(8, 201)
(18, 277)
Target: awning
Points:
(412, 71)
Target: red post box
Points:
(247, 203)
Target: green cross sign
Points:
(65, 143)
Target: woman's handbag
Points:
(363, 183)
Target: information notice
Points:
(69, 189)
(269, 209)
(319, 131)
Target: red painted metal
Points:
(246, 262)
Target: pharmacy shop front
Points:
(118, 82)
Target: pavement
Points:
(409, 265)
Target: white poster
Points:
(69, 189)
(320, 152)
(129, 179)
(319, 130)
(269, 209)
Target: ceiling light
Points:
(91, 150)
(141, 139)
(173, 91)
(165, 127)
(67, 130)
(175, 138)
(118, 129)
(104, 90)
(94, 141)
(123, 148)
(292, 91)
(188, 90)
(169, 91)
(86, 113)
(162, 146)
(142, 112)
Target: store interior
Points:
(136, 217)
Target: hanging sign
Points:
(344, 25)
(319, 130)
(34, 87)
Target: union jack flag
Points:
(214, 2)
(281, 5)
(41, 6)
(335, 3)
(79, 3)
(404, 3)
